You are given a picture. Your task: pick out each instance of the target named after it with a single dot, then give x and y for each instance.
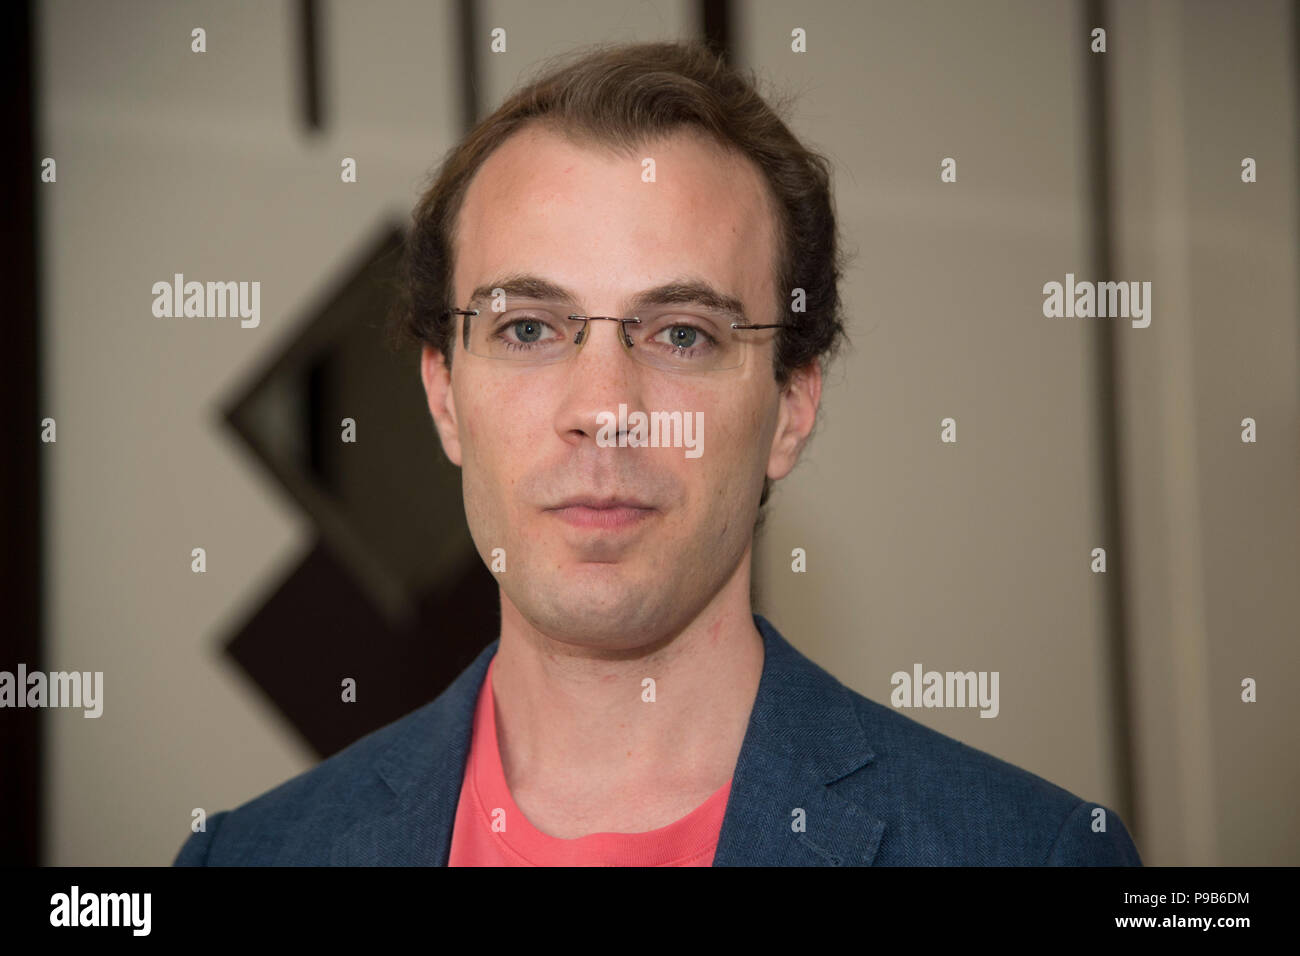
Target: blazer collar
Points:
(424, 767)
(803, 736)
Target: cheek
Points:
(494, 427)
(735, 421)
(732, 454)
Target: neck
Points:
(573, 721)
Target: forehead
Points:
(594, 221)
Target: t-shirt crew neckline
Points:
(677, 844)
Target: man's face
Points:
(526, 437)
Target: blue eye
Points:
(684, 340)
(516, 331)
(528, 330)
(682, 336)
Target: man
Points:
(638, 234)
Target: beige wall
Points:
(966, 556)
(1214, 523)
(971, 556)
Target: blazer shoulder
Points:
(952, 803)
(292, 822)
(298, 822)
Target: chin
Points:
(617, 619)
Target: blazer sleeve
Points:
(199, 845)
(1078, 844)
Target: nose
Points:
(599, 378)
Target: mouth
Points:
(609, 513)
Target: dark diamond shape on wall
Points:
(393, 593)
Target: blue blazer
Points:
(875, 787)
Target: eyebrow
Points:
(679, 291)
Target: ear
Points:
(796, 415)
(442, 403)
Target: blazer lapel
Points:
(423, 768)
(803, 736)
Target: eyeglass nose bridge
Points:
(581, 335)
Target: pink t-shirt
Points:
(691, 841)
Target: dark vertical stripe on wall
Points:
(468, 47)
(21, 558)
(716, 26)
(320, 432)
(309, 39)
(1295, 62)
(1096, 134)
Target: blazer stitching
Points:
(1061, 831)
